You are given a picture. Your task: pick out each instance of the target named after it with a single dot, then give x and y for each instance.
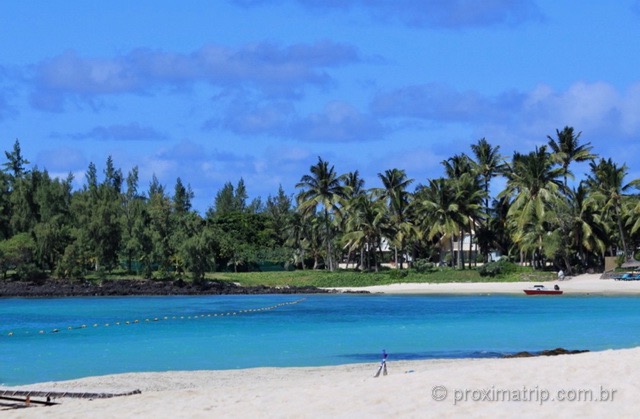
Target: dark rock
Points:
(519, 355)
(122, 287)
(562, 351)
(547, 352)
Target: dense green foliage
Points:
(332, 222)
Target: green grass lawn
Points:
(349, 278)
(361, 279)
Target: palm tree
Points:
(488, 164)
(354, 189)
(457, 165)
(365, 227)
(575, 229)
(634, 216)
(468, 193)
(607, 186)
(495, 234)
(588, 233)
(395, 192)
(533, 186)
(353, 184)
(567, 150)
(297, 233)
(322, 188)
(438, 210)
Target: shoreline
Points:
(585, 284)
(133, 287)
(478, 387)
(535, 386)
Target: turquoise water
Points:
(321, 330)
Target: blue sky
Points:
(212, 91)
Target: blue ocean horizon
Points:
(44, 339)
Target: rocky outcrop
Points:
(122, 287)
(548, 352)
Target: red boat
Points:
(542, 290)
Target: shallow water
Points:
(190, 334)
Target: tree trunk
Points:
(454, 261)
(471, 242)
(368, 255)
(327, 237)
(624, 242)
(460, 250)
(413, 254)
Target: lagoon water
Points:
(190, 333)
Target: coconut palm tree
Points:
(469, 194)
(353, 184)
(438, 210)
(488, 164)
(394, 191)
(533, 185)
(607, 186)
(297, 237)
(496, 234)
(567, 150)
(470, 197)
(588, 233)
(367, 223)
(354, 189)
(634, 216)
(576, 230)
(322, 188)
(457, 165)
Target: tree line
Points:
(110, 224)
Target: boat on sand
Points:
(542, 290)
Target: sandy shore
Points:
(589, 385)
(593, 384)
(582, 284)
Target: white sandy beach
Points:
(582, 284)
(585, 385)
(593, 384)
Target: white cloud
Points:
(116, 132)
(337, 122)
(597, 108)
(272, 69)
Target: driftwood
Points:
(25, 396)
(63, 394)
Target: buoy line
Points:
(163, 318)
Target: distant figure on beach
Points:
(556, 287)
(383, 364)
(560, 274)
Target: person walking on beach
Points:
(383, 364)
